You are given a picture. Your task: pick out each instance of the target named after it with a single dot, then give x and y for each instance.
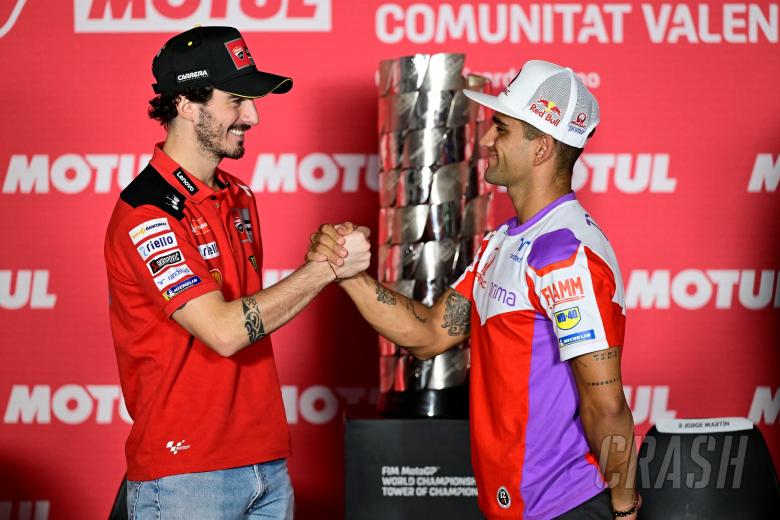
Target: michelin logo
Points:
(181, 287)
(576, 338)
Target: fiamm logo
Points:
(164, 16)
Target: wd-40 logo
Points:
(567, 318)
(176, 447)
(98, 16)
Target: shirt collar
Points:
(182, 180)
(516, 228)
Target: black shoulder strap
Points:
(149, 188)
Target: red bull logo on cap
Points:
(547, 110)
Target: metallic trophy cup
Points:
(435, 209)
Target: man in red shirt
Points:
(189, 318)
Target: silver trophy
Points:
(435, 208)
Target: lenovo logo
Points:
(164, 16)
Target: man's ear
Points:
(187, 109)
(543, 149)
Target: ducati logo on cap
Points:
(239, 53)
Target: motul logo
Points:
(765, 406)
(649, 403)
(68, 404)
(25, 510)
(73, 173)
(623, 172)
(165, 16)
(694, 289)
(25, 288)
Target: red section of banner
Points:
(682, 175)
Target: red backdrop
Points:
(682, 174)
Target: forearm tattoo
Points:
(410, 306)
(252, 320)
(383, 295)
(457, 315)
(603, 383)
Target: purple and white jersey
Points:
(542, 293)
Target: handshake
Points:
(345, 247)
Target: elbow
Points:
(222, 345)
(606, 409)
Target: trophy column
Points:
(434, 211)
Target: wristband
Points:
(634, 508)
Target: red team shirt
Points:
(542, 293)
(171, 239)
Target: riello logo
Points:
(164, 16)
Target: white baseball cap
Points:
(549, 97)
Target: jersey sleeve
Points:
(577, 290)
(155, 251)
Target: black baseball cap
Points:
(213, 57)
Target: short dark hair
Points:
(567, 155)
(162, 107)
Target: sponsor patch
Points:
(172, 275)
(243, 223)
(576, 338)
(503, 498)
(253, 261)
(216, 274)
(567, 318)
(185, 181)
(562, 291)
(193, 75)
(547, 110)
(578, 124)
(181, 287)
(239, 53)
(159, 243)
(158, 263)
(173, 201)
(210, 250)
(199, 226)
(150, 227)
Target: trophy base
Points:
(449, 403)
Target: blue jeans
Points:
(256, 491)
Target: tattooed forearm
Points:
(457, 315)
(604, 355)
(252, 320)
(410, 306)
(602, 383)
(383, 295)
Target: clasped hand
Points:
(344, 246)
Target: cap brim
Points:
(256, 84)
(492, 102)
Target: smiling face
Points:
(508, 151)
(222, 123)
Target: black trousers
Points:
(597, 508)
